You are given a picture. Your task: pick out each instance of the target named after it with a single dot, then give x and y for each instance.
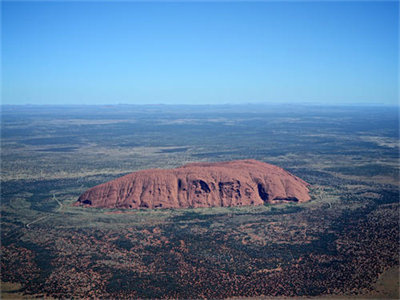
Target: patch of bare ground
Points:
(10, 290)
(387, 286)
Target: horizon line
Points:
(214, 104)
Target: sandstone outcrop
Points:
(232, 183)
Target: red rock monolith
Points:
(232, 183)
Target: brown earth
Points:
(233, 183)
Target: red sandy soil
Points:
(232, 183)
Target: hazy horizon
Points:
(311, 104)
(210, 53)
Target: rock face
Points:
(233, 183)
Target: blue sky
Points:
(199, 53)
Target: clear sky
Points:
(199, 53)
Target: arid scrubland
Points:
(339, 243)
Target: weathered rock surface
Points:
(233, 183)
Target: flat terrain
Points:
(342, 243)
